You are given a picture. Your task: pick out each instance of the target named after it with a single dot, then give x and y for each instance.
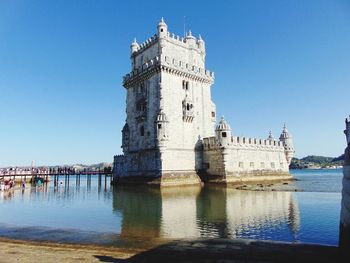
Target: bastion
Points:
(171, 135)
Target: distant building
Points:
(170, 135)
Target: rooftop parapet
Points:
(119, 157)
(171, 63)
(212, 142)
(149, 42)
(189, 41)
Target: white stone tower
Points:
(287, 141)
(169, 108)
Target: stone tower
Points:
(168, 108)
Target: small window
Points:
(159, 126)
(185, 84)
(161, 30)
(272, 165)
(142, 131)
(262, 165)
(240, 164)
(188, 106)
(224, 134)
(251, 165)
(213, 114)
(281, 164)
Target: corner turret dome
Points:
(162, 23)
(285, 134)
(223, 125)
(161, 117)
(271, 138)
(134, 46)
(162, 28)
(200, 39)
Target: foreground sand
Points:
(206, 251)
(27, 251)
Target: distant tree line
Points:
(316, 161)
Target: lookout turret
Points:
(287, 141)
(134, 46)
(162, 28)
(223, 132)
(201, 44)
(270, 138)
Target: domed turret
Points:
(287, 141)
(134, 46)
(223, 132)
(270, 138)
(190, 40)
(201, 44)
(162, 28)
(161, 126)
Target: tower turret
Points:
(134, 46)
(287, 141)
(190, 40)
(201, 44)
(270, 138)
(161, 126)
(223, 132)
(162, 28)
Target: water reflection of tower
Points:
(157, 213)
(140, 209)
(191, 212)
(212, 212)
(179, 219)
(224, 212)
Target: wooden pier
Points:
(59, 176)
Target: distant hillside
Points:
(313, 161)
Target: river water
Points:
(144, 216)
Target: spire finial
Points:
(162, 20)
(190, 33)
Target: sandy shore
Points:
(29, 251)
(199, 250)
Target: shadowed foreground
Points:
(213, 250)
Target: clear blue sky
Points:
(275, 62)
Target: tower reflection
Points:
(193, 212)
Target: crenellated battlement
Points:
(171, 65)
(119, 157)
(170, 37)
(236, 141)
(149, 42)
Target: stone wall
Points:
(244, 157)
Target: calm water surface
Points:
(141, 216)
